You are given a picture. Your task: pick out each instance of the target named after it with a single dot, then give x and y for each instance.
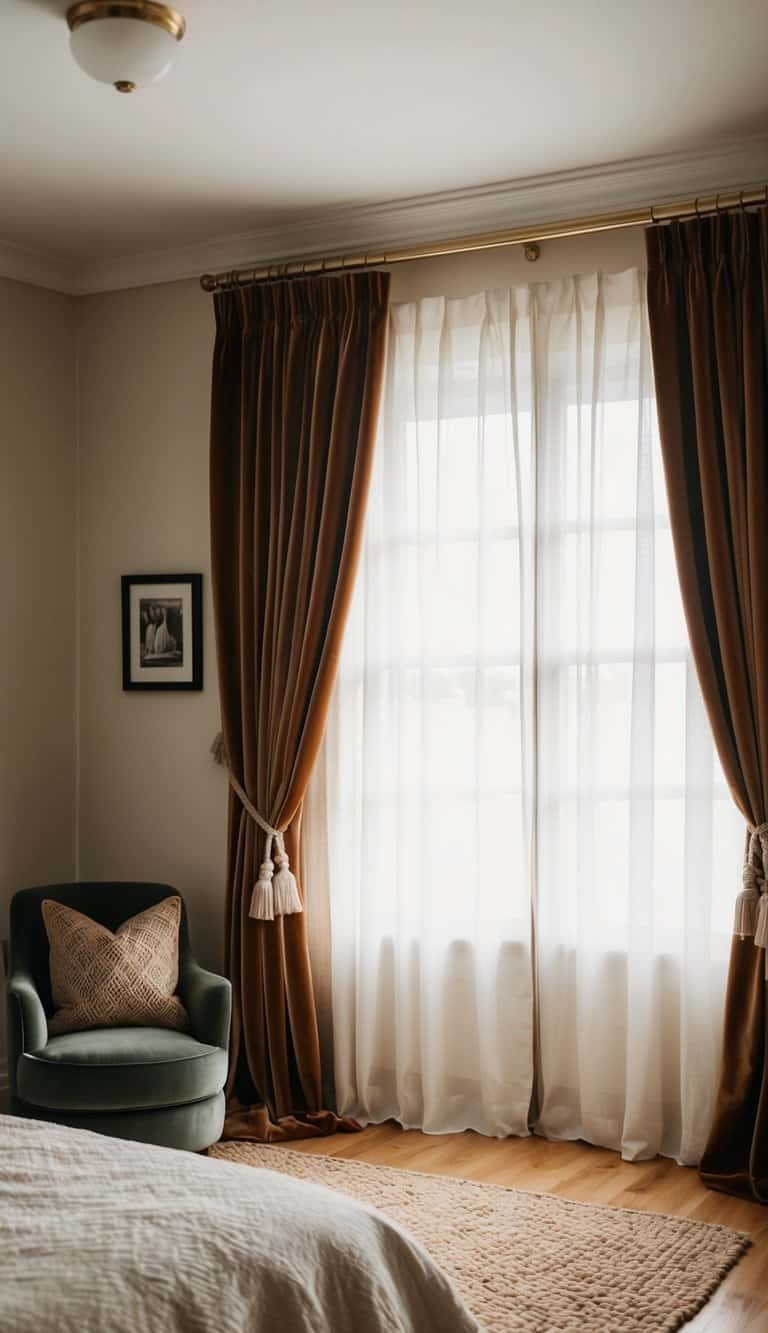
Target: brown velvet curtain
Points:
(297, 376)
(708, 310)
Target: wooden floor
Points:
(593, 1175)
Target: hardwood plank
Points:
(592, 1175)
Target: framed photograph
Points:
(162, 631)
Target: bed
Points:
(101, 1235)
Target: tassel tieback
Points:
(751, 915)
(748, 901)
(275, 892)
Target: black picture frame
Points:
(171, 601)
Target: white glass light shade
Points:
(125, 52)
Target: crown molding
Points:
(534, 199)
(38, 268)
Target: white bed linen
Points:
(99, 1235)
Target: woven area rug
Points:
(535, 1263)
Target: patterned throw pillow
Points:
(101, 979)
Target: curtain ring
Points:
(696, 206)
(742, 205)
(653, 220)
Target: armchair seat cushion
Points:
(119, 1069)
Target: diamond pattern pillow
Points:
(125, 978)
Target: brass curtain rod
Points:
(528, 236)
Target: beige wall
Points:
(152, 802)
(461, 275)
(37, 591)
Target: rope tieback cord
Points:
(752, 903)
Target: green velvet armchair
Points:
(152, 1084)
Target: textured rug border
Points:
(743, 1237)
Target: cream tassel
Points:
(761, 929)
(287, 900)
(263, 897)
(747, 903)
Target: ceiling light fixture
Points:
(127, 43)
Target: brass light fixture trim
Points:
(148, 11)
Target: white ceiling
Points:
(278, 110)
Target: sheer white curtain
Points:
(517, 734)
(635, 825)
(429, 746)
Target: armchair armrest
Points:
(208, 1001)
(33, 1023)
